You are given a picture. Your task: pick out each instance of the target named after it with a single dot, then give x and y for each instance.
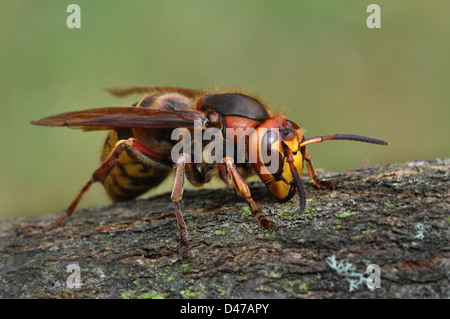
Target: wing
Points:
(124, 117)
(124, 91)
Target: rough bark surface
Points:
(395, 216)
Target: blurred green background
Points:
(317, 59)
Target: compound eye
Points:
(287, 134)
(272, 157)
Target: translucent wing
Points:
(124, 91)
(124, 117)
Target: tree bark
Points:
(395, 216)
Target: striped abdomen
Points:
(133, 176)
(129, 178)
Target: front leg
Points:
(231, 176)
(312, 174)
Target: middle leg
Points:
(185, 166)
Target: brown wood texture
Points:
(395, 216)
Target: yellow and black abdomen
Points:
(129, 178)
(135, 174)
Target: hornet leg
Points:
(138, 149)
(184, 166)
(312, 174)
(230, 175)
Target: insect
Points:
(138, 152)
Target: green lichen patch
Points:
(346, 215)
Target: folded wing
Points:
(124, 117)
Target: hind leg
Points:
(140, 151)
